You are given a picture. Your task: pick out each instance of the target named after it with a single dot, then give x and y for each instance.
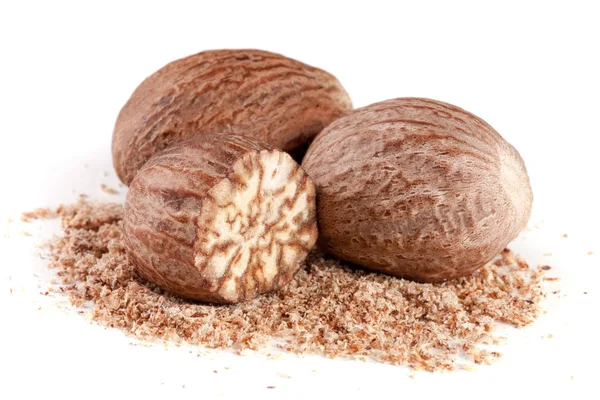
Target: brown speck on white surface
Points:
(39, 213)
(564, 235)
(329, 308)
(551, 279)
(585, 292)
(107, 189)
(589, 253)
(25, 233)
(270, 387)
(546, 267)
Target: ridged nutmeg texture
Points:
(280, 101)
(417, 188)
(221, 218)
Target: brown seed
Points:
(417, 188)
(220, 218)
(283, 102)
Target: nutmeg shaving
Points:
(328, 309)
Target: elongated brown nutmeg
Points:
(417, 188)
(220, 218)
(280, 101)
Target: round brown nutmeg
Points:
(280, 101)
(220, 218)
(417, 188)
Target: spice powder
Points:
(329, 308)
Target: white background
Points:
(530, 69)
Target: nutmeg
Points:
(280, 101)
(417, 188)
(219, 218)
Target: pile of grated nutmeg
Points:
(329, 308)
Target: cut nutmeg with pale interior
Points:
(220, 218)
(417, 188)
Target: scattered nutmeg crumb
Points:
(270, 387)
(546, 267)
(39, 213)
(585, 292)
(589, 253)
(564, 235)
(108, 189)
(322, 311)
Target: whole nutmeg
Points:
(417, 188)
(219, 218)
(280, 101)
